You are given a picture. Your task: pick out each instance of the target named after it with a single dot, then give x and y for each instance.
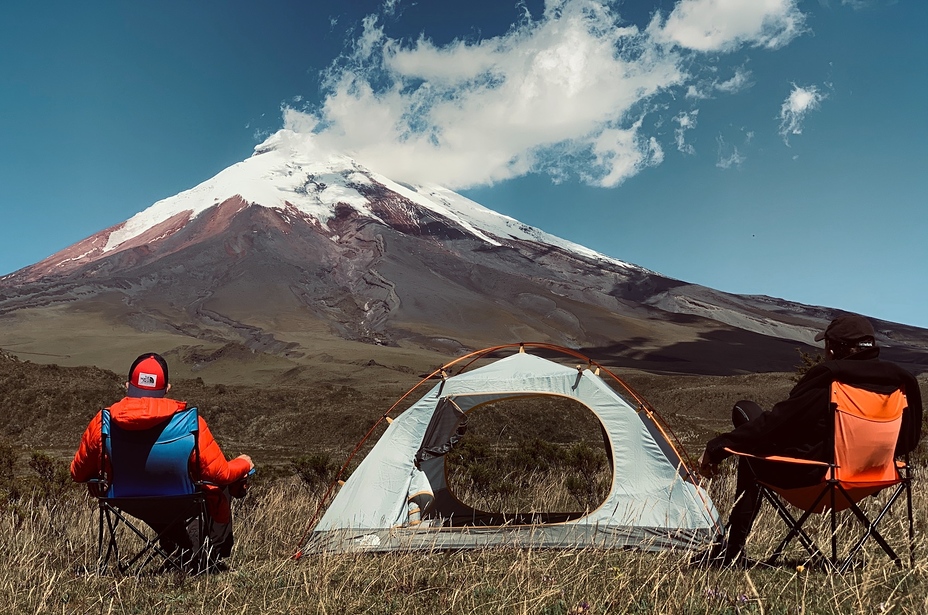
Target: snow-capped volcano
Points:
(294, 244)
(289, 174)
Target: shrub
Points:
(806, 362)
(52, 478)
(8, 491)
(587, 485)
(316, 470)
(537, 455)
(486, 475)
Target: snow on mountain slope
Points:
(287, 169)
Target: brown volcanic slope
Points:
(250, 293)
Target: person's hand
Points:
(251, 464)
(706, 467)
(239, 488)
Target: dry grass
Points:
(46, 547)
(46, 550)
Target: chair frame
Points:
(112, 513)
(832, 488)
(117, 510)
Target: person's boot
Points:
(733, 555)
(713, 556)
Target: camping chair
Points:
(151, 481)
(866, 428)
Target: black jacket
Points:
(802, 425)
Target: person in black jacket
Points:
(800, 426)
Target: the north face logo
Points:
(148, 380)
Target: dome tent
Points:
(398, 498)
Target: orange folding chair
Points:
(866, 428)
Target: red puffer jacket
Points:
(137, 413)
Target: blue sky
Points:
(773, 147)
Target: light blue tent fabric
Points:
(651, 505)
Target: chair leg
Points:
(908, 496)
(207, 542)
(834, 527)
(201, 557)
(186, 560)
(150, 547)
(795, 528)
(101, 564)
(871, 530)
(112, 548)
(153, 549)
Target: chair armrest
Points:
(98, 487)
(780, 459)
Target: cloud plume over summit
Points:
(576, 91)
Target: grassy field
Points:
(47, 531)
(47, 548)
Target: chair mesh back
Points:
(866, 430)
(151, 462)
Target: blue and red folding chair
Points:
(150, 481)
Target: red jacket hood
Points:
(135, 413)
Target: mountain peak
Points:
(288, 172)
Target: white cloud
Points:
(685, 121)
(739, 81)
(728, 154)
(723, 25)
(390, 6)
(622, 153)
(708, 88)
(692, 91)
(794, 109)
(859, 4)
(298, 122)
(564, 93)
(568, 84)
(261, 134)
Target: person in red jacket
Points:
(146, 405)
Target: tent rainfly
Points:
(397, 498)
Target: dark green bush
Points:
(587, 485)
(8, 491)
(51, 480)
(494, 473)
(316, 470)
(807, 361)
(536, 455)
